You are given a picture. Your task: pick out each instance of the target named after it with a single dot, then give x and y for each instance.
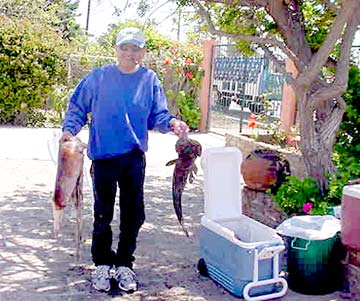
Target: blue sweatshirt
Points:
(123, 108)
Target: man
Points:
(125, 101)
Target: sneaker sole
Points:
(131, 290)
(101, 289)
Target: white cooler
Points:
(239, 253)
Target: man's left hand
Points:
(180, 128)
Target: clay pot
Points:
(264, 169)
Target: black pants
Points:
(127, 171)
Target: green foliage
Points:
(188, 109)
(184, 2)
(31, 62)
(143, 8)
(349, 135)
(240, 21)
(348, 168)
(347, 147)
(295, 193)
(57, 102)
(231, 17)
(346, 159)
(317, 22)
(58, 14)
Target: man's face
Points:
(129, 55)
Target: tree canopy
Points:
(59, 14)
(316, 35)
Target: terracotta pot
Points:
(264, 169)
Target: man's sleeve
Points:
(78, 107)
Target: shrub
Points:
(31, 62)
(296, 196)
(348, 140)
(347, 147)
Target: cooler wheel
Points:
(202, 268)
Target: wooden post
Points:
(207, 49)
(288, 102)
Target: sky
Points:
(102, 10)
(101, 16)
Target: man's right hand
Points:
(66, 136)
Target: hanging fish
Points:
(185, 169)
(69, 184)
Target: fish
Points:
(185, 170)
(69, 185)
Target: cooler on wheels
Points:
(237, 252)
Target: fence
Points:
(355, 55)
(242, 85)
(80, 65)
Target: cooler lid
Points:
(352, 190)
(222, 182)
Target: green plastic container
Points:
(314, 266)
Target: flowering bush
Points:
(179, 68)
(298, 196)
(270, 132)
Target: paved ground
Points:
(35, 266)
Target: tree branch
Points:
(338, 87)
(342, 73)
(287, 16)
(249, 3)
(333, 121)
(268, 53)
(167, 17)
(320, 58)
(126, 5)
(328, 92)
(280, 66)
(153, 11)
(257, 40)
(331, 5)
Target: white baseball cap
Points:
(131, 35)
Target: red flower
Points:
(181, 73)
(252, 124)
(167, 62)
(188, 61)
(189, 75)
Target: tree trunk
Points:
(319, 124)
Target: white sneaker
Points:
(101, 278)
(126, 278)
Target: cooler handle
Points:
(300, 248)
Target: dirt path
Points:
(35, 266)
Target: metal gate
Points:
(240, 86)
